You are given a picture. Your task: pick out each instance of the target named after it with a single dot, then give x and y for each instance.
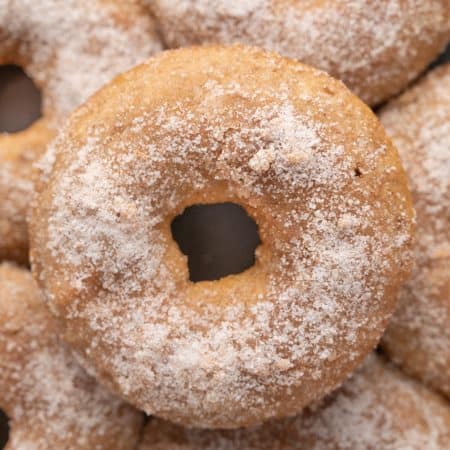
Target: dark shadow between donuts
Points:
(4, 430)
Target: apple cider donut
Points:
(379, 408)
(50, 400)
(418, 337)
(69, 49)
(375, 47)
(18, 151)
(215, 125)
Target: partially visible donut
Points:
(377, 409)
(51, 402)
(375, 47)
(18, 152)
(69, 49)
(213, 125)
(418, 337)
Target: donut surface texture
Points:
(69, 49)
(375, 47)
(50, 401)
(18, 152)
(379, 408)
(214, 125)
(418, 337)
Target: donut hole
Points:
(20, 100)
(219, 239)
(4, 429)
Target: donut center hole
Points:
(20, 100)
(219, 239)
(4, 429)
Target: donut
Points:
(69, 49)
(18, 151)
(49, 399)
(375, 47)
(211, 125)
(379, 408)
(418, 337)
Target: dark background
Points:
(220, 233)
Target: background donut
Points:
(418, 337)
(50, 401)
(18, 152)
(211, 125)
(69, 49)
(375, 47)
(378, 408)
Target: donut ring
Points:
(378, 408)
(69, 49)
(419, 335)
(50, 400)
(229, 125)
(375, 47)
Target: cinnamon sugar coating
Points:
(375, 47)
(18, 152)
(418, 337)
(51, 402)
(211, 125)
(378, 408)
(69, 49)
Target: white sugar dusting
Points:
(366, 413)
(374, 47)
(297, 140)
(74, 47)
(419, 123)
(70, 49)
(322, 282)
(16, 190)
(50, 400)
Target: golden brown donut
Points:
(51, 402)
(69, 49)
(212, 125)
(419, 335)
(377, 409)
(18, 151)
(375, 47)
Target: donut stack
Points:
(336, 335)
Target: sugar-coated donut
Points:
(375, 47)
(69, 49)
(379, 408)
(51, 402)
(419, 335)
(212, 125)
(18, 151)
